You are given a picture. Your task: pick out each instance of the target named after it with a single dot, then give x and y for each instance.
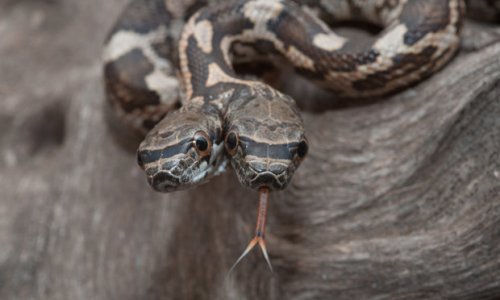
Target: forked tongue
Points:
(260, 230)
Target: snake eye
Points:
(302, 149)
(231, 142)
(202, 143)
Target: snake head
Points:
(264, 136)
(183, 150)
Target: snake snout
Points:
(273, 176)
(164, 182)
(268, 167)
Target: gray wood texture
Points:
(398, 199)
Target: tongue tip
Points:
(262, 244)
(259, 231)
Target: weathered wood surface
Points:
(399, 199)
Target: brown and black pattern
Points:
(418, 38)
(422, 36)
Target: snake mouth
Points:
(165, 182)
(268, 180)
(276, 177)
(175, 176)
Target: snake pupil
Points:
(201, 143)
(302, 149)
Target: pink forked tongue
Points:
(260, 230)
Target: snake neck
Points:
(205, 50)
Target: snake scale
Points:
(207, 115)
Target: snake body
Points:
(260, 127)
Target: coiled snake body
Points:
(259, 127)
(262, 127)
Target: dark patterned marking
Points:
(301, 30)
(264, 150)
(488, 10)
(293, 27)
(165, 49)
(268, 180)
(408, 63)
(198, 67)
(194, 7)
(242, 97)
(317, 76)
(165, 179)
(386, 6)
(355, 11)
(149, 156)
(433, 16)
(125, 79)
(264, 48)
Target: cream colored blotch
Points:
(328, 42)
(203, 33)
